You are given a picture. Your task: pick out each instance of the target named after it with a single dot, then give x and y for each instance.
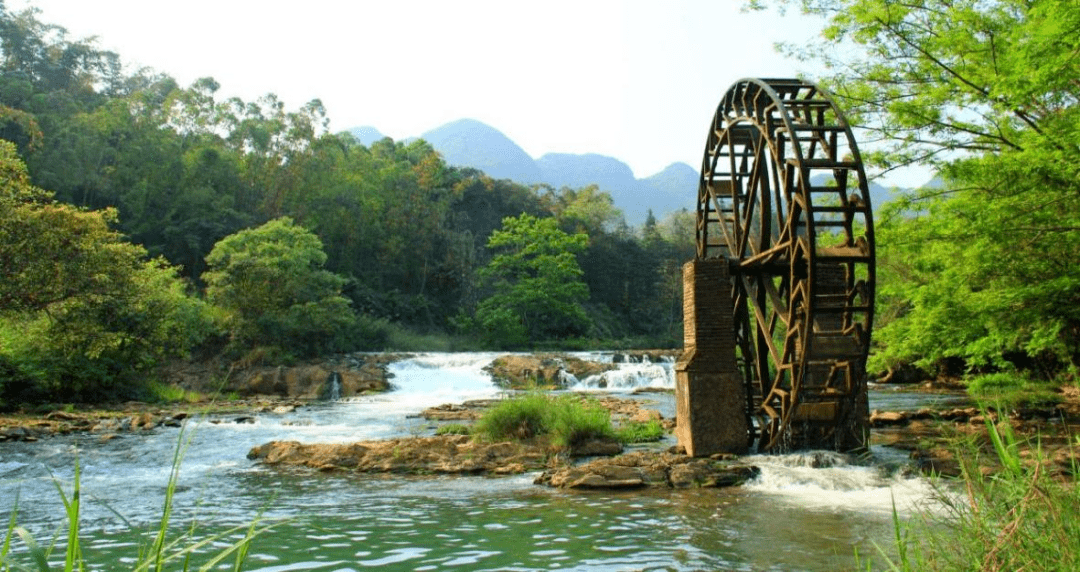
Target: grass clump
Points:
(1021, 517)
(164, 393)
(1011, 390)
(453, 429)
(640, 432)
(566, 420)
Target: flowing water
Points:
(807, 511)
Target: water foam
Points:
(829, 480)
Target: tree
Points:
(270, 283)
(537, 283)
(83, 314)
(984, 267)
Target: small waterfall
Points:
(431, 379)
(333, 393)
(567, 379)
(631, 373)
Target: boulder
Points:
(541, 370)
(888, 418)
(649, 469)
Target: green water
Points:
(327, 522)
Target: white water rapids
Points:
(126, 476)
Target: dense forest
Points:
(141, 220)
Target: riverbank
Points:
(928, 436)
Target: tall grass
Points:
(1021, 517)
(566, 420)
(162, 552)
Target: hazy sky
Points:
(636, 80)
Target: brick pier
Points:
(709, 392)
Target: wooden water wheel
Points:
(783, 197)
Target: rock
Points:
(643, 415)
(921, 415)
(652, 469)
(106, 425)
(544, 370)
(65, 416)
(143, 421)
(597, 448)
(355, 374)
(452, 412)
(15, 434)
(445, 454)
(888, 418)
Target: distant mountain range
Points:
(470, 143)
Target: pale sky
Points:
(635, 80)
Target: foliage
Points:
(983, 265)
(567, 420)
(538, 291)
(271, 283)
(1019, 518)
(81, 311)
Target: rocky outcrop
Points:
(343, 377)
(649, 469)
(541, 370)
(461, 455)
(622, 410)
(61, 422)
(448, 454)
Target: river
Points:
(807, 511)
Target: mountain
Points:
(673, 189)
(470, 143)
(611, 175)
(366, 135)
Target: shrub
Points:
(518, 418)
(566, 420)
(575, 420)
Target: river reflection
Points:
(796, 517)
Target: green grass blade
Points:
(1004, 443)
(37, 553)
(6, 547)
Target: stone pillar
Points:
(709, 393)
